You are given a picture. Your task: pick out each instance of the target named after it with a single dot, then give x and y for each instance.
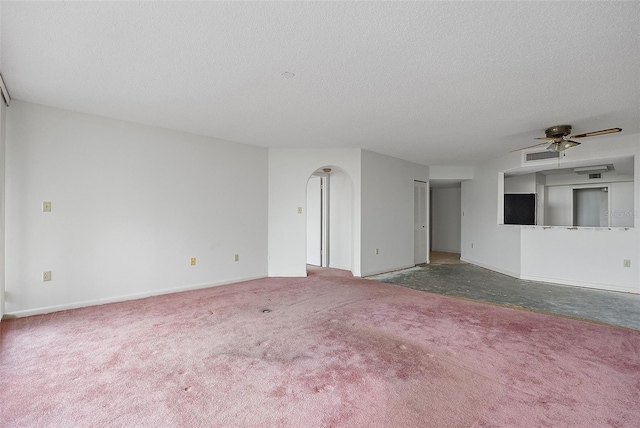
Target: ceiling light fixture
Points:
(553, 147)
(591, 169)
(561, 146)
(288, 74)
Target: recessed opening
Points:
(559, 200)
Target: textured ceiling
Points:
(450, 83)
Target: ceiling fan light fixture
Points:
(560, 141)
(554, 147)
(560, 146)
(567, 144)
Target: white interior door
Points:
(314, 221)
(420, 222)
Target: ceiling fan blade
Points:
(528, 147)
(546, 138)
(593, 134)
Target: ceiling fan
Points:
(557, 135)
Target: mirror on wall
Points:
(594, 193)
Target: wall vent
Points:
(541, 155)
(592, 176)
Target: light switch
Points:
(46, 207)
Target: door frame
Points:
(422, 206)
(590, 186)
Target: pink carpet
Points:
(324, 351)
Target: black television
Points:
(520, 208)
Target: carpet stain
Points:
(333, 352)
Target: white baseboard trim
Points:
(377, 272)
(598, 286)
(340, 267)
(288, 275)
(446, 250)
(493, 268)
(126, 297)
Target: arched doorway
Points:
(329, 211)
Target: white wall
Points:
(388, 212)
(131, 205)
(2, 192)
(289, 170)
(444, 173)
(541, 199)
(2, 203)
(622, 209)
(446, 219)
(558, 210)
(341, 220)
(484, 242)
(586, 256)
(520, 184)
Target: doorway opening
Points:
(329, 227)
(591, 207)
(317, 220)
(445, 221)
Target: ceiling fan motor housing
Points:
(558, 131)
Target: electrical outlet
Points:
(377, 251)
(472, 245)
(193, 261)
(46, 207)
(626, 263)
(236, 257)
(299, 210)
(46, 275)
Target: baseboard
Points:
(493, 268)
(439, 250)
(288, 274)
(377, 272)
(126, 297)
(598, 286)
(340, 267)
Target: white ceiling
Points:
(439, 83)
